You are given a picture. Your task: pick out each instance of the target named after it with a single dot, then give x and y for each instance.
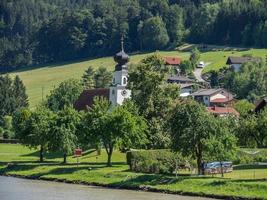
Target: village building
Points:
(173, 61)
(117, 92)
(235, 63)
(223, 111)
(213, 97)
(261, 105)
(186, 84)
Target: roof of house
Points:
(86, 98)
(222, 110)
(261, 104)
(186, 85)
(221, 100)
(206, 92)
(180, 78)
(240, 60)
(172, 60)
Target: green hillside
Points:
(49, 76)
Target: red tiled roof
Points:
(222, 110)
(221, 100)
(172, 60)
(86, 98)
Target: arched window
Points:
(124, 81)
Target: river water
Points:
(22, 189)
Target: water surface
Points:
(23, 189)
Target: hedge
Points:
(152, 161)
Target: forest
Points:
(35, 32)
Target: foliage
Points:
(195, 132)
(64, 132)
(12, 96)
(64, 95)
(153, 96)
(113, 126)
(244, 107)
(153, 161)
(34, 128)
(154, 34)
(194, 57)
(102, 78)
(88, 78)
(249, 83)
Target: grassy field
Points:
(46, 77)
(91, 170)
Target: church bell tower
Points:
(118, 91)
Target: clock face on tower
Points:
(124, 92)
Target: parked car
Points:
(201, 64)
(217, 167)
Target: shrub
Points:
(153, 161)
(245, 158)
(7, 134)
(1, 132)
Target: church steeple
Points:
(121, 58)
(118, 90)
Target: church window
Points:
(124, 81)
(113, 92)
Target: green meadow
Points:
(40, 80)
(17, 160)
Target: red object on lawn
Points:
(78, 152)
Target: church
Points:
(117, 92)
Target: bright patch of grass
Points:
(91, 170)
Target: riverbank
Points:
(18, 161)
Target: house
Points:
(173, 61)
(180, 80)
(261, 105)
(117, 92)
(222, 111)
(186, 89)
(213, 97)
(236, 62)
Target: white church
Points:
(117, 92)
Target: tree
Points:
(34, 128)
(153, 96)
(244, 107)
(19, 92)
(191, 126)
(64, 95)
(117, 126)
(64, 133)
(88, 78)
(194, 57)
(102, 78)
(222, 146)
(154, 34)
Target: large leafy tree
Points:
(153, 96)
(113, 127)
(34, 128)
(191, 127)
(64, 95)
(154, 34)
(64, 132)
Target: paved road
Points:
(198, 73)
(21, 189)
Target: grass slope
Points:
(94, 171)
(50, 76)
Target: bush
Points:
(7, 134)
(153, 161)
(1, 132)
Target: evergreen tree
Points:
(88, 78)
(19, 92)
(102, 77)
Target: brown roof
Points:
(222, 110)
(180, 79)
(86, 98)
(172, 60)
(240, 60)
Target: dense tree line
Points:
(37, 32)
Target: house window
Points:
(124, 81)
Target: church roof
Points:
(86, 98)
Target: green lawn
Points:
(92, 170)
(46, 77)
